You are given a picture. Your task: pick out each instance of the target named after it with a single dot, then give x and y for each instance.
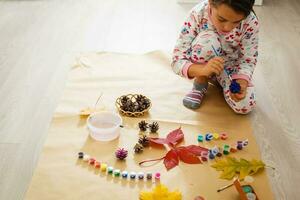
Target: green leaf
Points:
(245, 168)
(231, 167)
(257, 165)
(228, 173)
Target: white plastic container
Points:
(104, 126)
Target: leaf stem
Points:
(225, 187)
(98, 100)
(146, 161)
(270, 167)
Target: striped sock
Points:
(194, 98)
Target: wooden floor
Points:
(39, 41)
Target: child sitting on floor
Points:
(219, 38)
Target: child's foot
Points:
(194, 98)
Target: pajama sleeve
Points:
(248, 50)
(183, 50)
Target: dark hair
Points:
(241, 6)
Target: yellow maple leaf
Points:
(245, 169)
(256, 165)
(228, 173)
(160, 192)
(87, 111)
(231, 167)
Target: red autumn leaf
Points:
(196, 149)
(186, 156)
(159, 141)
(172, 138)
(171, 159)
(175, 136)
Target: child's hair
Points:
(242, 6)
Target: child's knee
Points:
(205, 46)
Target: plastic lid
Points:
(251, 196)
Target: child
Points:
(219, 38)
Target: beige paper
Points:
(59, 175)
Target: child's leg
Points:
(203, 49)
(244, 106)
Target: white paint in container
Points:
(104, 126)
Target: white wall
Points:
(257, 2)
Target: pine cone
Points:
(154, 127)
(123, 108)
(147, 103)
(128, 106)
(140, 98)
(143, 125)
(121, 153)
(124, 100)
(140, 108)
(135, 107)
(140, 103)
(143, 102)
(138, 148)
(144, 141)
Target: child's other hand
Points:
(242, 94)
(214, 66)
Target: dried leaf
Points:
(197, 150)
(172, 138)
(87, 111)
(231, 166)
(171, 159)
(257, 165)
(175, 136)
(246, 169)
(186, 156)
(160, 141)
(160, 192)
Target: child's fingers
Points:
(241, 96)
(217, 64)
(221, 64)
(216, 69)
(243, 83)
(220, 59)
(238, 96)
(233, 97)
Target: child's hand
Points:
(214, 66)
(242, 94)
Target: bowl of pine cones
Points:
(133, 105)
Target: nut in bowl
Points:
(133, 105)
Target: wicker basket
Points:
(132, 97)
